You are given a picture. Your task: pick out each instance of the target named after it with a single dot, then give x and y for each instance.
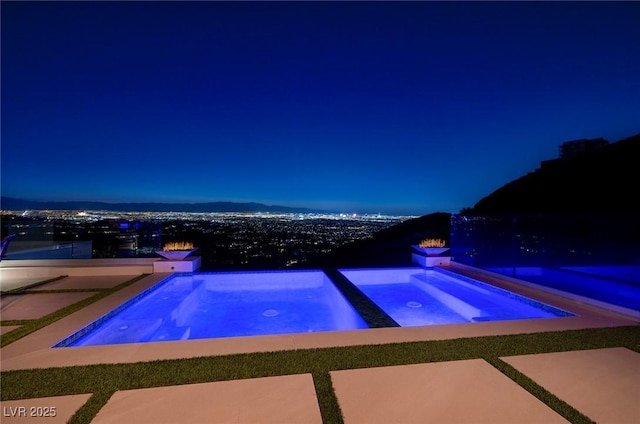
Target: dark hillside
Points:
(601, 181)
(391, 246)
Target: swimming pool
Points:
(232, 304)
(418, 296)
(212, 305)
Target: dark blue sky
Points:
(388, 107)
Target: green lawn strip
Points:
(552, 401)
(90, 409)
(103, 380)
(15, 322)
(327, 400)
(33, 325)
(19, 290)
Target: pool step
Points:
(462, 308)
(133, 329)
(174, 333)
(478, 304)
(486, 305)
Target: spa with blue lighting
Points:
(233, 304)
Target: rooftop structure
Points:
(575, 148)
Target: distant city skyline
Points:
(403, 108)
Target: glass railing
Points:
(495, 241)
(545, 240)
(54, 239)
(52, 250)
(596, 257)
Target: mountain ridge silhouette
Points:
(11, 203)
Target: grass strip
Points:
(90, 409)
(33, 325)
(327, 400)
(15, 322)
(104, 380)
(20, 384)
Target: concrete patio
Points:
(600, 383)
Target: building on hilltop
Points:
(575, 148)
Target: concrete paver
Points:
(50, 410)
(32, 306)
(603, 384)
(469, 391)
(12, 283)
(278, 400)
(85, 282)
(8, 299)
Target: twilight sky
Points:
(410, 107)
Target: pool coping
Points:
(35, 350)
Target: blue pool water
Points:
(416, 296)
(618, 286)
(215, 305)
(204, 305)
